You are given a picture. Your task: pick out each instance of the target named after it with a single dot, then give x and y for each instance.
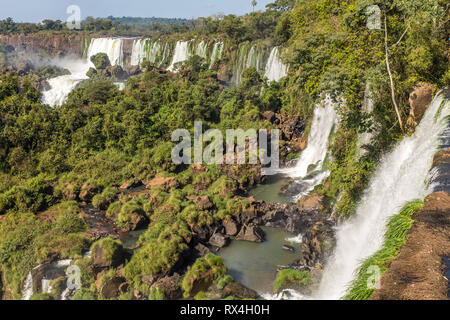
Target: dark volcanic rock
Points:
(231, 227)
(239, 291)
(251, 233)
(111, 288)
(219, 240)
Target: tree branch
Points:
(390, 74)
(399, 40)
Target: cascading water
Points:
(61, 86)
(113, 47)
(138, 53)
(254, 58)
(275, 69)
(182, 53)
(148, 50)
(309, 168)
(216, 53)
(27, 291)
(400, 178)
(202, 50)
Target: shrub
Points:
(394, 239)
(204, 271)
(288, 277)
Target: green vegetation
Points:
(52, 159)
(203, 273)
(395, 237)
(107, 252)
(290, 277)
(26, 241)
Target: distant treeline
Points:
(132, 21)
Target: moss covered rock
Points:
(107, 253)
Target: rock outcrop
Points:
(417, 273)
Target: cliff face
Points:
(417, 273)
(57, 45)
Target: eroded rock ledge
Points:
(418, 272)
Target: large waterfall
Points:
(309, 167)
(216, 53)
(113, 47)
(400, 178)
(159, 54)
(275, 69)
(153, 51)
(182, 53)
(60, 87)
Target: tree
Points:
(254, 4)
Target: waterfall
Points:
(113, 47)
(254, 58)
(248, 56)
(309, 167)
(275, 69)
(61, 86)
(27, 291)
(216, 53)
(148, 50)
(399, 178)
(202, 50)
(368, 107)
(182, 53)
(138, 52)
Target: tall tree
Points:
(254, 4)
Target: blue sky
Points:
(38, 10)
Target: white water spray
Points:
(275, 69)
(113, 47)
(61, 86)
(309, 169)
(216, 53)
(182, 53)
(399, 178)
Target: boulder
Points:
(201, 250)
(203, 203)
(269, 115)
(219, 240)
(231, 227)
(419, 99)
(87, 192)
(111, 288)
(251, 233)
(288, 248)
(239, 291)
(165, 183)
(107, 253)
(311, 202)
(170, 286)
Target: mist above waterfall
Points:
(61, 86)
